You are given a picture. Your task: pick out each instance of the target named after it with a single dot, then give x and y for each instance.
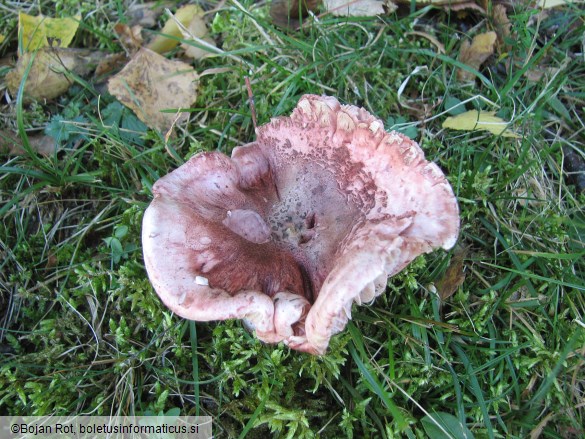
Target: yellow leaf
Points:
(36, 32)
(197, 29)
(473, 120)
(2, 38)
(184, 15)
(475, 53)
(50, 73)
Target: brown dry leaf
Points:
(110, 63)
(48, 78)
(462, 6)
(130, 37)
(41, 143)
(535, 75)
(475, 53)
(454, 276)
(537, 431)
(501, 22)
(359, 8)
(287, 13)
(184, 16)
(150, 83)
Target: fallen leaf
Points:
(359, 8)
(461, 6)
(12, 145)
(437, 2)
(473, 120)
(184, 15)
(110, 63)
(448, 5)
(537, 431)
(47, 77)
(150, 83)
(535, 75)
(40, 31)
(129, 37)
(454, 275)
(43, 144)
(287, 13)
(475, 53)
(547, 4)
(197, 29)
(145, 15)
(501, 22)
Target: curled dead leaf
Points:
(150, 84)
(130, 37)
(447, 5)
(48, 75)
(501, 22)
(474, 54)
(359, 8)
(454, 275)
(463, 6)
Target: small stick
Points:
(251, 101)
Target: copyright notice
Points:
(85, 427)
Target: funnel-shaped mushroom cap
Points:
(295, 227)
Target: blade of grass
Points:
(475, 388)
(194, 364)
(375, 385)
(250, 424)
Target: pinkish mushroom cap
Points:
(314, 215)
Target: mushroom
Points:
(286, 234)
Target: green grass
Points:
(82, 331)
